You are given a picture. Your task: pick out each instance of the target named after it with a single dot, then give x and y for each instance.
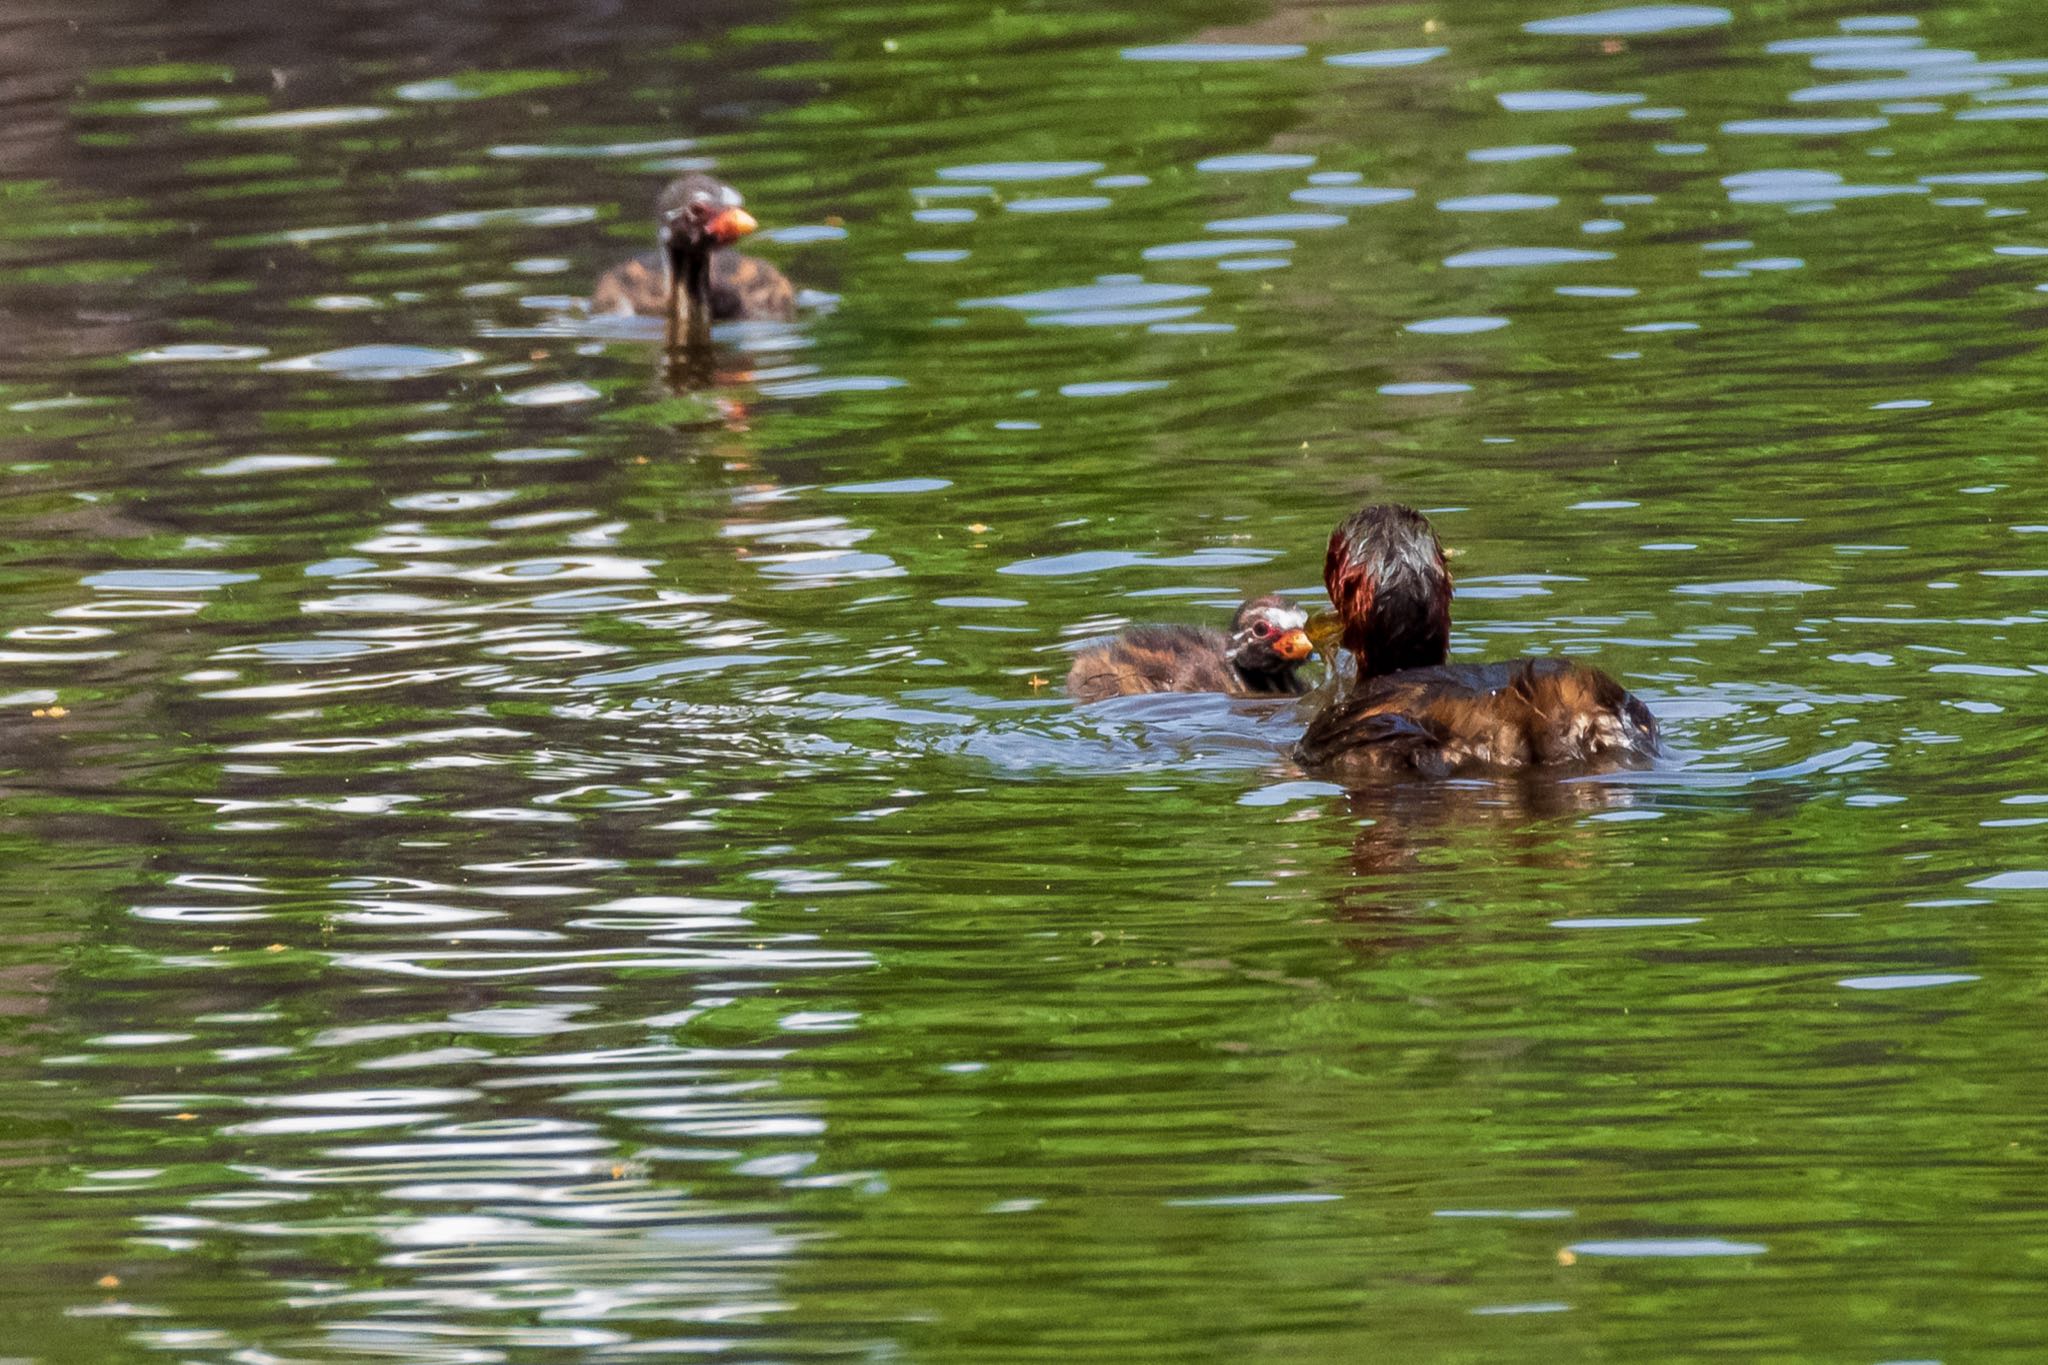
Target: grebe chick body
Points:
(694, 280)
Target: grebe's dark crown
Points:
(1387, 578)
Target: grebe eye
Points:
(1262, 629)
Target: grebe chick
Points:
(1257, 658)
(694, 280)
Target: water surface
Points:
(512, 862)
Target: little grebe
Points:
(1410, 711)
(1257, 658)
(693, 280)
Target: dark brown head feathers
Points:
(1387, 578)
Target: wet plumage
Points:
(1452, 718)
(694, 279)
(1410, 711)
(1258, 657)
(743, 288)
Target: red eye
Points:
(1262, 629)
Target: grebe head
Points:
(698, 214)
(1386, 576)
(1267, 636)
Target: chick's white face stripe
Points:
(1289, 620)
(726, 198)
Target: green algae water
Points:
(508, 861)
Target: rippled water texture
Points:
(511, 862)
